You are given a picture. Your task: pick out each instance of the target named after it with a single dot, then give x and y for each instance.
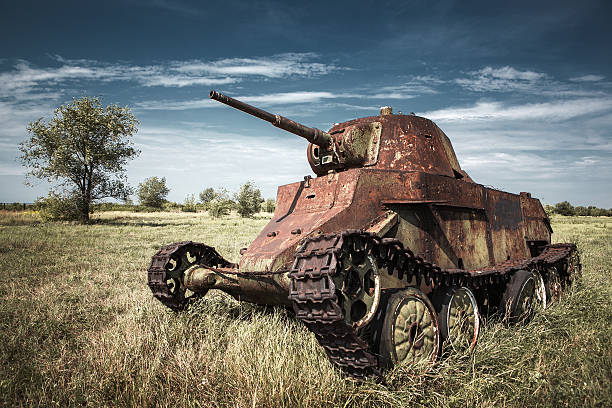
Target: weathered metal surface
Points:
(390, 209)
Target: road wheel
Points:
(458, 317)
(358, 287)
(520, 297)
(540, 291)
(574, 267)
(410, 333)
(553, 284)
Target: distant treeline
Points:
(17, 206)
(565, 208)
(562, 208)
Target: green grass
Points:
(79, 327)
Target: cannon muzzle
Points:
(313, 135)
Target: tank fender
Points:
(381, 225)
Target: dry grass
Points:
(79, 327)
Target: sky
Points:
(522, 89)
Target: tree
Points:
(207, 195)
(221, 205)
(549, 209)
(269, 205)
(152, 192)
(564, 208)
(248, 199)
(190, 204)
(83, 151)
(581, 211)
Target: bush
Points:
(152, 192)
(170, 206)
(207, 195)
(269, 205)
(248, 200)
(57, 207)
(218, 208)
(564, 208)
(190, 204)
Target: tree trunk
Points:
(83, 210)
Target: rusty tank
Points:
(390, 254)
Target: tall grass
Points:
(79, 327)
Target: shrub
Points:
(269, 205)
(219, 207)
(564, 208)
(57, 207)
(171, 206)
(207, 195)
(248, 200)
(190, 204)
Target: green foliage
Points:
(269, 205)
(169, 206)
(56, 207)
(248, 199)
(190, 204)
(207, 195)
(16, 206)
(221, 205)
(565, 208)
(106, 206)
(83, 150)
(152, 192)
(219, 208)
(549, 209)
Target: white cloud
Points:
(418, 85)
(180, 81)
(587, 78)
(555, 111)
(261, 100)
(24, 78)
(278, 66)
(289, 97)
(586, 161)
(500, 79)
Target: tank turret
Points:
(390, 254)
(387, 141)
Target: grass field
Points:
(79, 326)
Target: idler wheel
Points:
(175, 269)
(458, 317)
(553, 284)
(523, 295)
(410, 333)
(358, 287)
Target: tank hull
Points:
(449, 222)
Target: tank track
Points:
(158, 275)
(313, 294)
(316, 304)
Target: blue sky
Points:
(523, 89)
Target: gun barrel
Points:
(313, 135)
